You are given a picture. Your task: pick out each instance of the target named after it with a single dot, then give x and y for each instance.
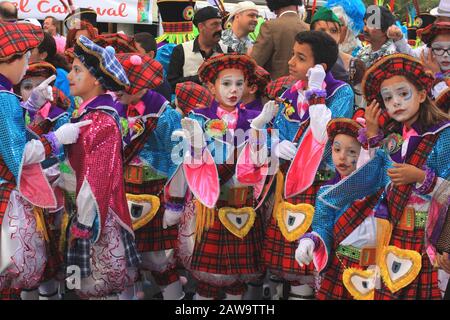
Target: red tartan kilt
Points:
(152, 236)
(54, 256)
(10, 294)
(221, 252)
(332, 286)
(278, 253)
(425, 286)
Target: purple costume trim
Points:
(430, 178)
(54, 143)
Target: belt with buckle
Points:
(412, 219)
(235, 196)
(365, 256)
(140, 174)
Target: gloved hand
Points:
(171, 218)
(316, 75)
(285, 150)
(192, 132)
(68, 133)
(320, 115)
(268, 112)
(40, 95)
(304, 252)
(394, 33)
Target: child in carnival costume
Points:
(148, 166)
(227, 232)
(48, 118)
(308, 106)
(100, 238)
(395, 186)
(256, 89)
(23, 184)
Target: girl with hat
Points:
(148, 165)
(100, 238)
(307, 106)
(20, 158)
(226, 239)
(395, 186)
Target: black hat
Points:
(176, 17)
(206, 13)
(424, 20)
(72, 21)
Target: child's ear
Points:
(253, 89)
(422, 96)
(97, 83)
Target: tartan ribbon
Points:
(136, 145)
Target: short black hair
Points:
(8, 11)
(323, 46)
(278, 4)
(146, 40)
(387, 19)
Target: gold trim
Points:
(346, 279)
(240, 233)
(146, 216)
(281, 211)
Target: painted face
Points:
(127, 99)
(401, 99)
(81, 81)
(27, 85)
(301, 61)
(332, 28)
(441, 50)
(229, 87)
(345, 153)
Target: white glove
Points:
(394, 33)
(285, 150)
(268, 112)
(304, 252)
(68, 133)
(192, 132)
(40, 95)
(316, 75)
(171, 218)
(320, 115)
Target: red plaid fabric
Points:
(191, 95)
(152, 236)
(177, 27)
(133, 149)
(207, 290)
(40, 127)
(60, 99)
(395, 65)
(142, 71)
(6, 188)
(18, 38)
(278, 253)
(261, 78)
(276, 88)
(332, 287)
(428, 34)
(342, 126)
(122, 43)
(165, 278)
(209, 69)
(10, 294)
(47, 146)
(54, 256)
(221, 252)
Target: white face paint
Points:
(231, 87)
(441, 50)
(27, 86)
(401, 100)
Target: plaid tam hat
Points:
(102, 64)
(18, 38)
(142, 71)
(276, 87)
(428, 34)
(191, 95)
(210, 69)
(261, 78)
(73, 19)
(40, 69)
(395, 65)
(343, 126)
(121, 42)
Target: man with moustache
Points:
(243, 21)
(188, 56)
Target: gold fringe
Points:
(278, 199)
(64, 226)
(40, 222)
(384, 231)
(204, 219)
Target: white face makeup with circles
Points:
(398, 99)
(444, 59)
(231, 88)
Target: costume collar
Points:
(256, 105)
(102, 101)
(5, 84)
(332, 84)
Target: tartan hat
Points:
(40, 69)
(325, 14)
(209, 69)
(121, 42)
(424, 20)
(72, 20)
(205, 14)
(102, 64)
(261, 78)
(191, 95)
(142, 71)
(428, 34)
(18, 38)
(343, 126)
(276, 87)
(395, 65)
(60, 99)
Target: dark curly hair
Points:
(278, 4)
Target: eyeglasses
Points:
(440, 51)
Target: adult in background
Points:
(51, 26)
(188, 56)
(8, 12)
(243, 21)
(273, 47)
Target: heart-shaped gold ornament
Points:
(294, 219)
(360, 283)
(143, 208)
(237, 221)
